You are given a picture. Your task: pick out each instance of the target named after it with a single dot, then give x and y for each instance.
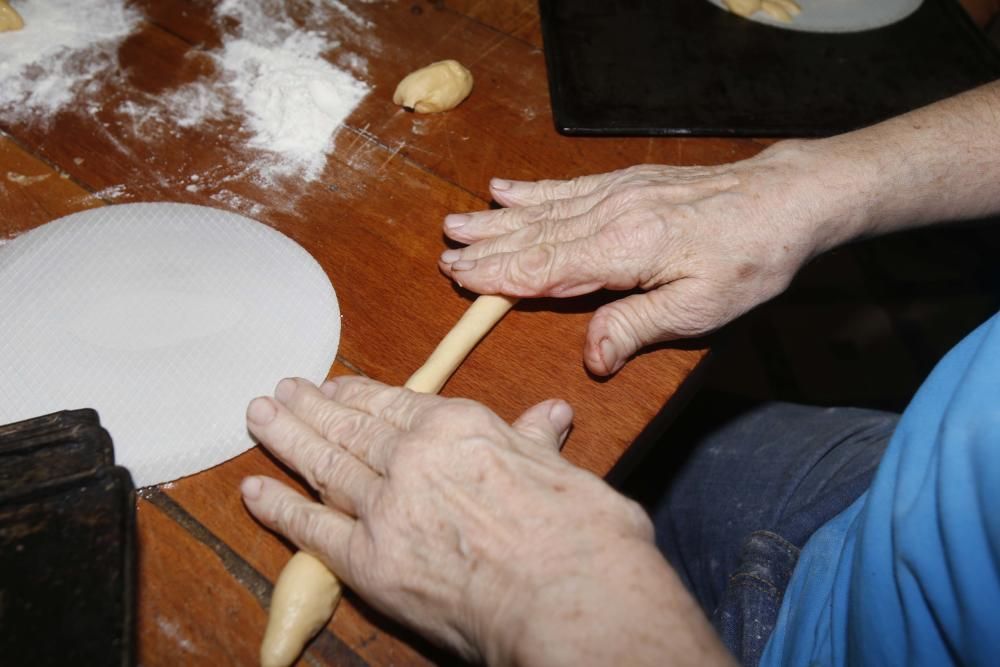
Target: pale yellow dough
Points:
(477, 321)
(9, 19)
(306, 592)
(781, 10)
(438, 87)
(303, 600)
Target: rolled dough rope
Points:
(306, 592)
(477, 321)
(303, 600)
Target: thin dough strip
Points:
(306, 593)
(477, 321)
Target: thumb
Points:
(621, 328)
(546, 424)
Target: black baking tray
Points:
(687, 67)
(67, 544)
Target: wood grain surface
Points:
(373, 221)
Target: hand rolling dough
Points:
(306, 593)
(438, 87)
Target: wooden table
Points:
(373, 221)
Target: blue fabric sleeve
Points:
(910, 573)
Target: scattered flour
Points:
(294, 99)
(193, 104)
(271, 72)
(112, 192)
(23, 180)
(64, 49)
(241, 204)
(280, 77)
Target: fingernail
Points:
(251, 487)
(560, 413)
(449, 256)
(455, 220)
(261, 411)
(283, 392)
(328, 388)
(500, 184)
(463, 265)
(609, 354)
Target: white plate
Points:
(167, 319)
(840, 15)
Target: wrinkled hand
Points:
(435, 510)
(708, 243)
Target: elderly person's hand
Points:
(706, 243)
(474, 532)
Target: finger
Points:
(397, 406)
(561, 270)
(553, 231)
(471, 227)
(621, 328)
(369, 439)
(341, 479)
(528, 193)
(546, 424)
(314, 528)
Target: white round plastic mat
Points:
(165, 318)
(841, 15)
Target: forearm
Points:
(936, 164)
(634, 611)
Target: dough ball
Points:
(9, 19)
(438, 87)
(743, 8)
(780, 10)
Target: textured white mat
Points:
(841, 15)
(166, 318)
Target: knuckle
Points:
(290, 436)
(379, 400)
(309, 526)
(457, 412)
(627, 195)
(509, 219)
(286, 517)
(637, 325)
(396, 405)
(533, 265)
(326, 467)
(341, 427)
(550, 188)
(527, 236)
(622, 232)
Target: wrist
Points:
(620, 604)
(839, 188)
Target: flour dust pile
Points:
(274, 73)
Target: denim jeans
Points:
(749, 496)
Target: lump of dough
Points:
(303, 600)
(781, 10)
(9, 19)
(438, 87)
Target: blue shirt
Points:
(910, 573)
